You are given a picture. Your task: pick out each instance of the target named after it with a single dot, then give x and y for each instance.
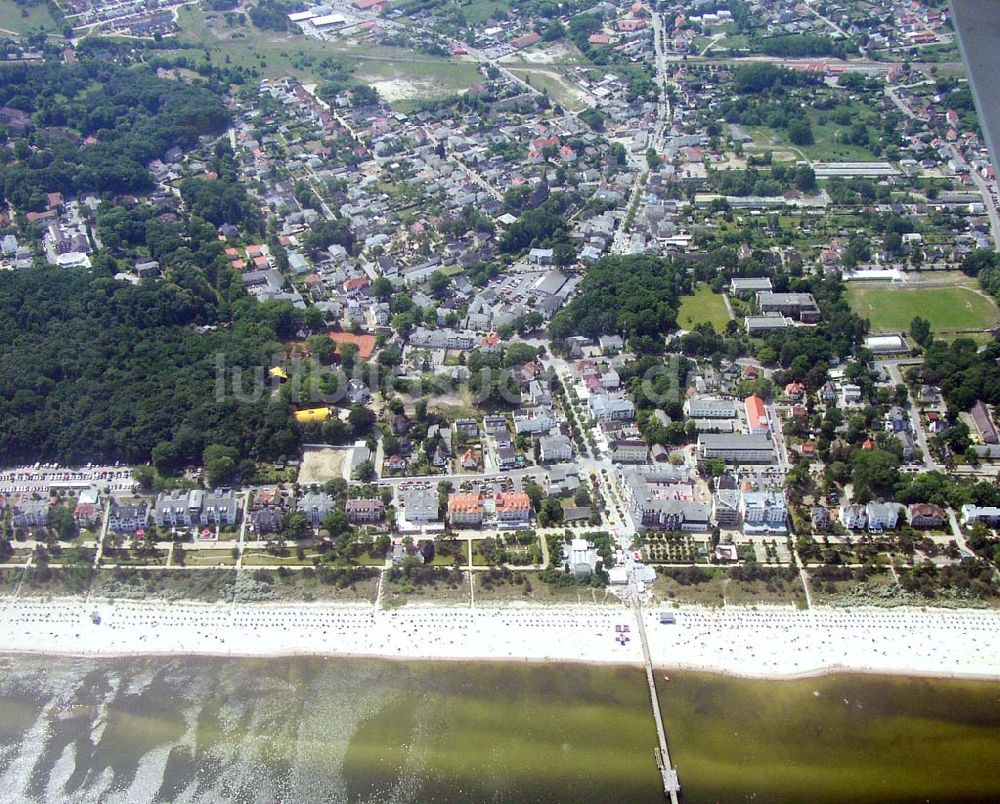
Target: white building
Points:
(556, 448)
(764, 512)
(607, 408)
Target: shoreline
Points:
(775, 643)
(822, 672)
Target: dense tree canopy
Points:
(95, 127)
(638, 294)
(95, 369)
(963, 373)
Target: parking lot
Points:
(47, 478)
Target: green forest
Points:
(92, 369)
(638, 294)
(95, 126)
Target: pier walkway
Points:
(671, 783)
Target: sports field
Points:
(892, 308)
(704, 307)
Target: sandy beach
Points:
(758, 642)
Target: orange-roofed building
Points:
(795, 390)
(756, 415)
(466, 509)
(513, 508)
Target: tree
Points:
(361, 419)
(295, 526)
(800, 133)
(337, 523)
(550, 514)
(920, 330)
(438, 284)
(322, 348)
(874, 473)
(382, 288)
(145, 477)
(220, 464)
(805, 178)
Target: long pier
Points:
(671, 782)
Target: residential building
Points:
(219, 507)
(764, 512)
(495, 424)
(882, 516)
(800, 306)
(664, 501)
(266, 520)
(896, 420)
(984, 423)
(469, 459)
(925, 515)
(506, 457)
(421, 505)
(737, 448)
(466, 510)
(316, 506)
(628, 450)
(125, 519)
(365, 510)
(555, 448)
(195, 508)
(850, 394)
(88, 508)
(710, 408)
(795, 390)
(726, 508)
(907, 445)
(29, 513)
(534, 421)
(971, 514)
(820, 519)
(756, 413)
(512, 508)
(267, 511)
(606, 408)
(853, 517)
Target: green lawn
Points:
(825, 148)
(207, 557)
(26, 19)
(947, 308)
(704, 307)
(478, 12)
(562, 90)
(405, 75)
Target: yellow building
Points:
(312, 415)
